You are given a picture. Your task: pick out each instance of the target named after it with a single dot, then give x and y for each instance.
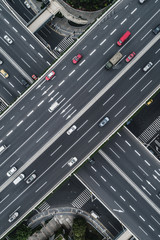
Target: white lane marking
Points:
(134, 74)
(134, 23)
(155, 220)
(146, 190)
(108, 49)
(118, 134)
(22, 108)
(6, 20)
(126, 7)
(103, 179)
(55, 150)
(42, 137)
(32, 58)
(11, 118)
(113, 188)
(93, 86)
(49, 63)
(123, 198)
(120, 111)
(147, 163)
(115, 17)
(65, 109)
(102, 42)
(40, 103)
(30, 125)
(84, 47)
(14, 162)
(157, 173)
(23, 38)
(143, 170)
(131, 195)
(151, 227)
(93, 169)
(30, 113)
(132, 208)
(33, 97)
(95, 37)
(120, 147)
(143, 230)
(7, 91)
(71, 114)
(157, 51)
(107, 171)
(105, 27)
(61, 83)
(92, 52)
(146, 34)
(25, 63)
(124, 21)
(146, 85)
(41, 187)
(134, 10)
(51, 93)
(82, 125)
(142, 218)
(72, 73)
(63, 68)
(82, 62)
(108, 99)
(40, 55)
(137, 176)
(94, 181)
(113, 31)
(93, 137)
(19, 123)
(15, 29)
(9, 133)
(114, 153)
(31, 46)
(82, 75)
(68, 111)
(11, 84)
(4, 198)
(137, 152)
(128, 143)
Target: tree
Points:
(22, 233)
(79, 228)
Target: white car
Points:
(148, 66)
(104, 122)
(72, 129)
(13, 217)
(27, 4)
(31, 178)
(11, 171)
(72, 161)
(8, 39)
(1, 62)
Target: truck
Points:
(115, 59)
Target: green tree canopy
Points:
(79, 228)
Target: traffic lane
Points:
(128, 207)
(110, 109)
(141, 167)
(22, 10)
(5, 94)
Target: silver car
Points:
(31, 178)
(11, 171)
(148, 66)
(8, 39)
(72, 129)
(13, 217)
(72, 161)
(104, 122)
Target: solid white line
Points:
(72, 73)
(31, 57)
(41, 137)
(146, 34)
(120, 111)
(124, 21)
(134, 23)
(142, 230)
(61, 83)
(108, 49)
(120, 147)
(93, 137)
(55, 150)
(134, 73)
(102, 42)
(30, 125)
(41, 186)
(143, 170)
(82, 125)
(94, 86)
(94, 181)
(92, 52)
(25, 62)
(137, 176)
(146, 86)
(9, 133)
(131, 195)
(114, 152)
(82, 75)
(108, 99)
(20, 123)
(107, 171)
(134, 10)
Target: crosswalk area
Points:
(44, 206)
(3, 105)
(63, 45)
(82, 199)
(151, 131)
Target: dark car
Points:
(156, 30)
(25, 83)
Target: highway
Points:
(121, 198)
(74, 87)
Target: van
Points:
(53, 106)
(123, 38)
(94, 214)
(19, 178)
(2, 149)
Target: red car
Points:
(129, 58)
(34, 77)
(76, 58)
(50, 76)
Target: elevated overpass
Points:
(49, 12)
